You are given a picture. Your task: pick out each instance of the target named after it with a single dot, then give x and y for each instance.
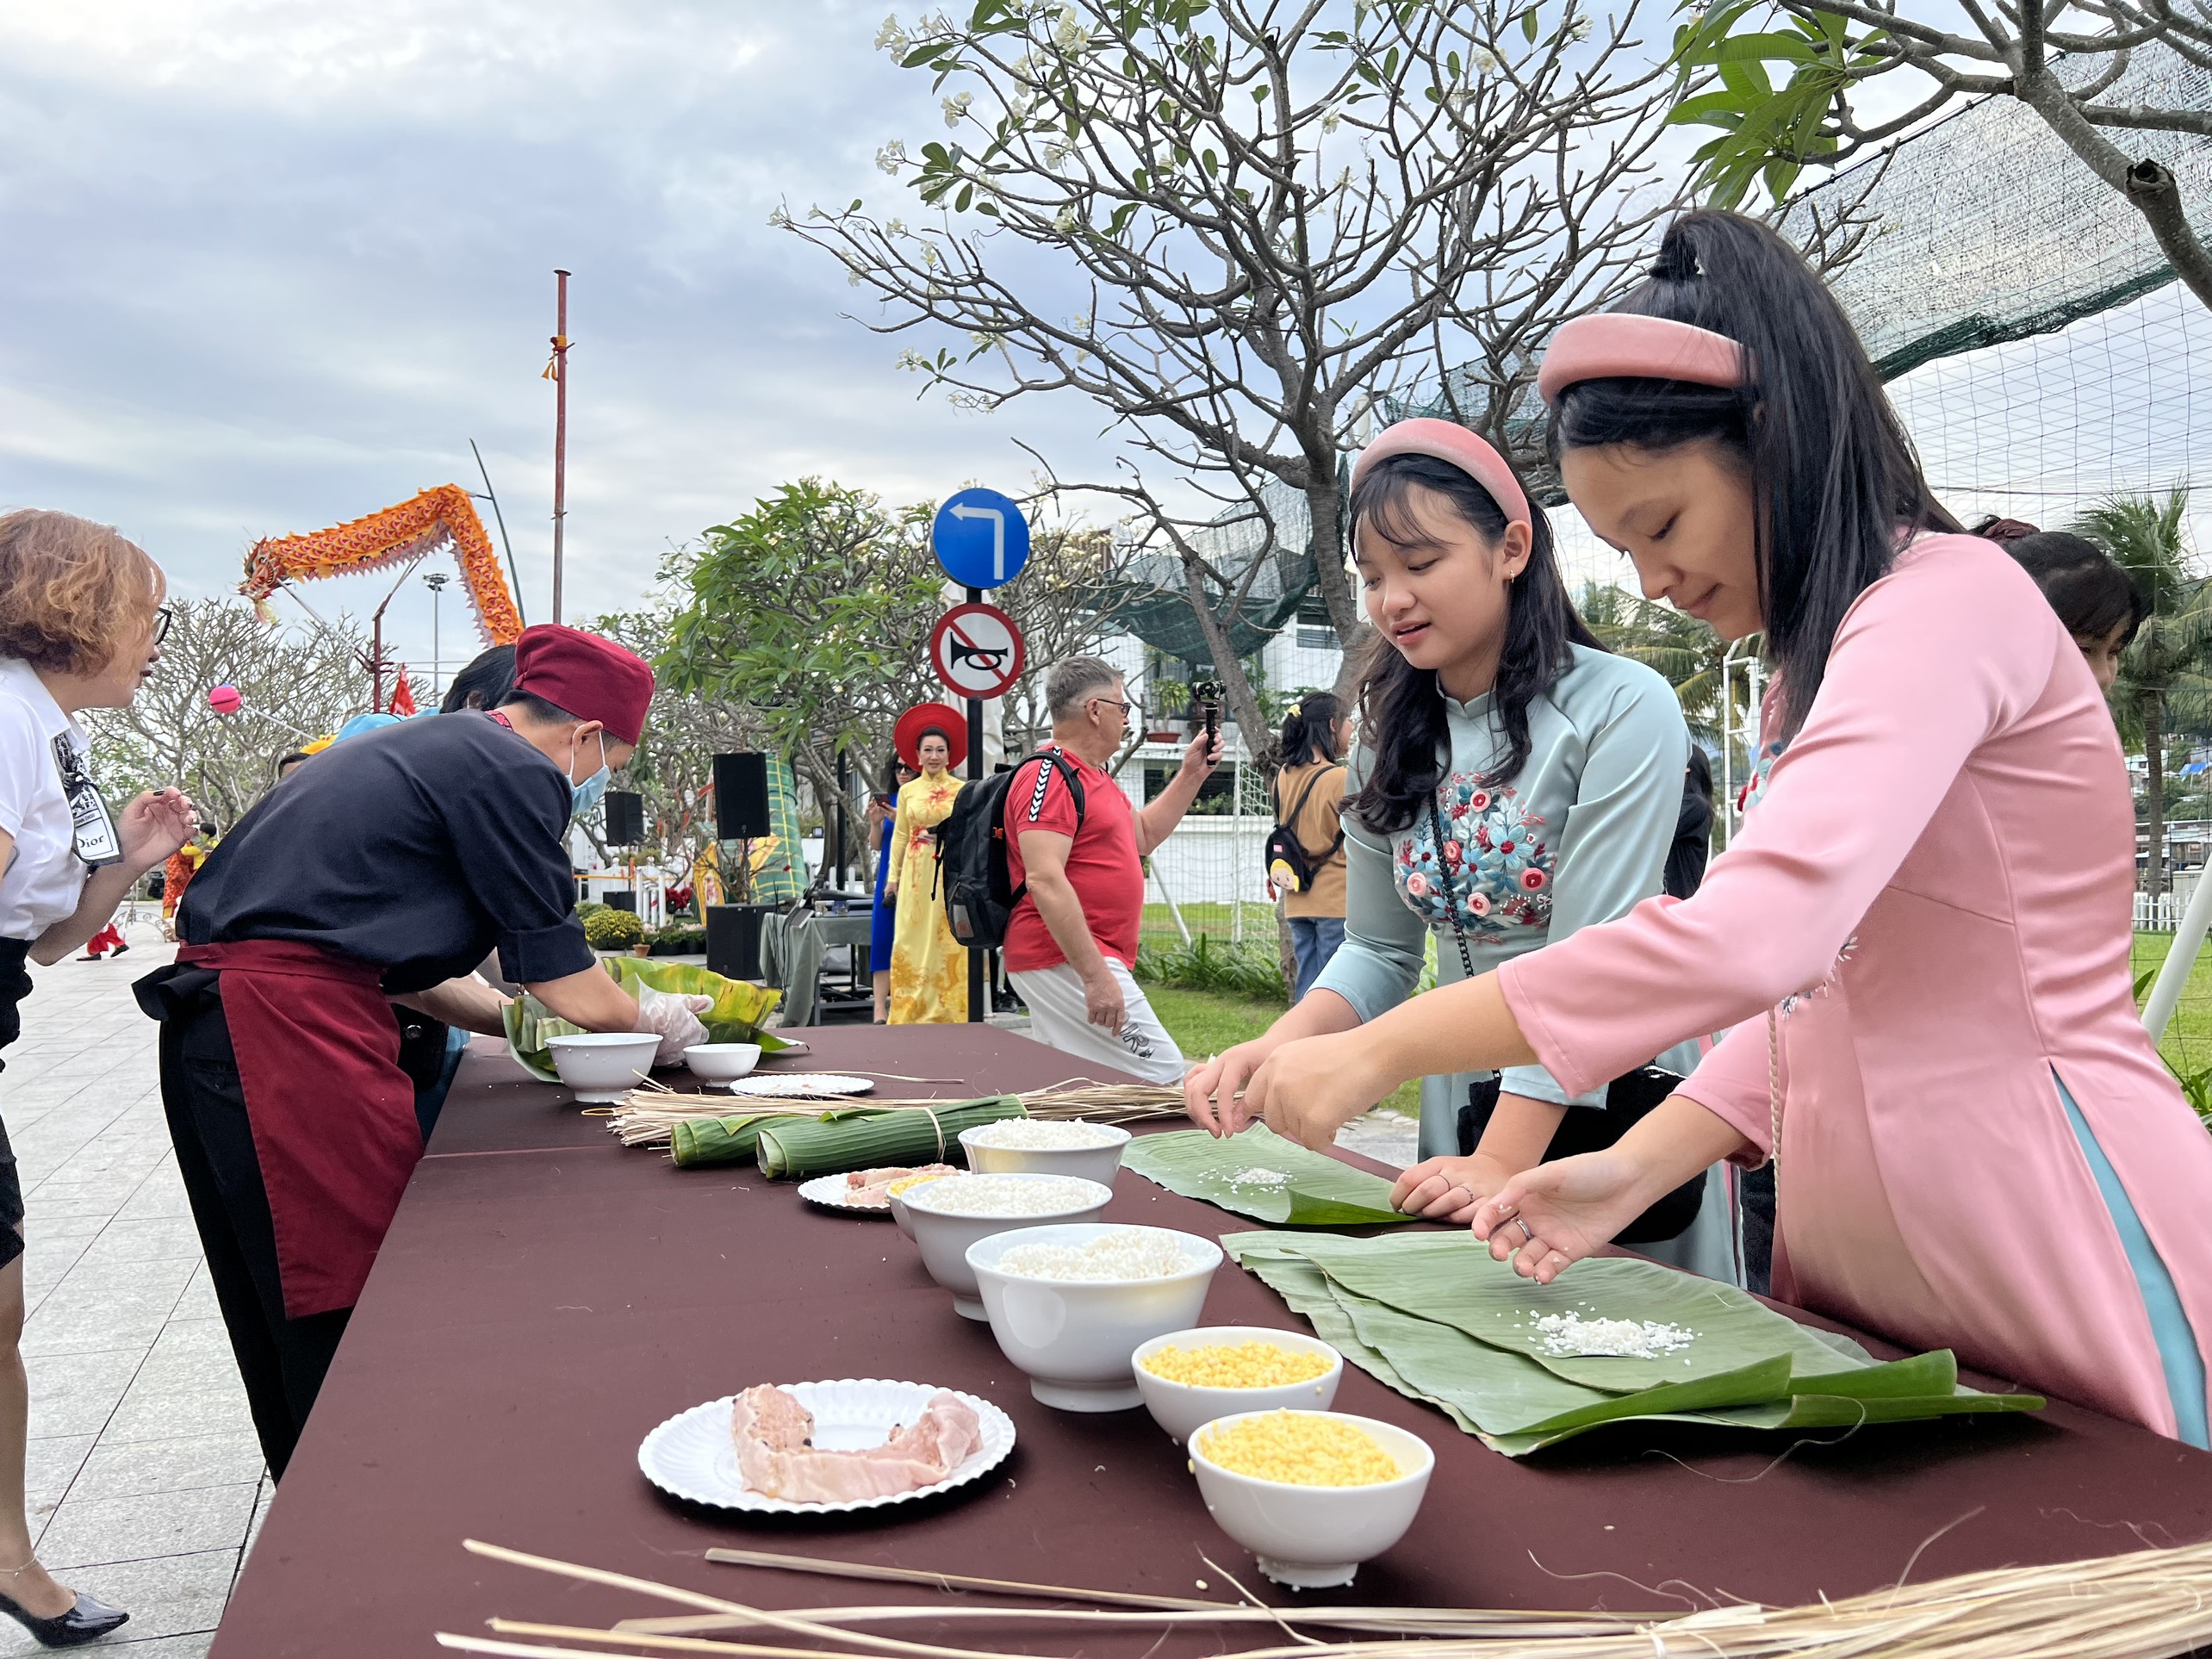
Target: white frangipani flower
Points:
(891, 37)
(889, 158)
(956, 107)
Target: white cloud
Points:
(270, 266)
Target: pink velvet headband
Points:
(1617, 344)
(1445, 440)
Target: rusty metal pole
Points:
(560, 427)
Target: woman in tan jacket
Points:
(1308, 799)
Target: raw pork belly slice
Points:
(871, 1188)
(772, 1429)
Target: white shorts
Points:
(1057, 1004)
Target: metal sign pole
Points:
(976, 993)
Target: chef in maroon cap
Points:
(382, 874)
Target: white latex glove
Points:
(673, 1019)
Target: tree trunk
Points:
(1243, 705)
(1324, 508)
(2153, 708)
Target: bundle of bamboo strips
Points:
(2149, 1605)
(649, 1117)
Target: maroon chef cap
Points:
(594, 678)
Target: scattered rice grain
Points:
(1570, 1334)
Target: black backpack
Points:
(980, 893)
(1285, 849)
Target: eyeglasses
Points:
(162, 618)
(1120, 703)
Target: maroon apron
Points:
(332, 1114)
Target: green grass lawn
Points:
(2187, 1044)
(1204, 1023)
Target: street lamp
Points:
(435, 581)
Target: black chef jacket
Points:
(418, 847)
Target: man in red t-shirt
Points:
(1072, 937)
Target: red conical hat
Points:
(906, 735)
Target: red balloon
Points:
(225, 699)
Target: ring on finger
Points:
(1523, 1226)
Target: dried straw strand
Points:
(2149, 1605)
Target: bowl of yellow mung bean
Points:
(1311, 1494)
(1189, 1377)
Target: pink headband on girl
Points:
(1617, 344)
(1447, 441)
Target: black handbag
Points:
(1629, 1098)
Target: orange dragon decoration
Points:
(440, 517)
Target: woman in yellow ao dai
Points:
(928, 970)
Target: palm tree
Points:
(1685, 651)
(2165, 676)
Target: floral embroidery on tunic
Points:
(1494, 853)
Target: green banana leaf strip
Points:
(1305, 1288)
(1833, 1411)
(793, 1148)
(1321, 1192)
(1449, 1278)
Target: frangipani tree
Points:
(1237, 224)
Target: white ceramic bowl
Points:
(1100, 1163)
(945, 1238)
(721, 1062)
(1180, 1407)
(602, 1066)
(1310, 1536)
(899, 1214)
(1075, 1338)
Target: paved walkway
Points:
(146, 1483)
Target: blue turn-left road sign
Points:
(980, 538)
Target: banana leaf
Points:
(1305, 1289)
(1519, 1401)
(793, 1148)
(701, 1142)
(1321, 1192)
(1450, 1279)
(738, 1009)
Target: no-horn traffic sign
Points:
(977, 650)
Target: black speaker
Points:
(733, 940)
(741, 797)
(625, 818)
(620, 899)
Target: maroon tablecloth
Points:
(546, 1297)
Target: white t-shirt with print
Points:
(44, 878)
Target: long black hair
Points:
(1833, 477)
(1401, 707)
(2091, 594)
(1309, 730)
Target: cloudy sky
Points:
(272, 264)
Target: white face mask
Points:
(586, 795)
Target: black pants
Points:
(282, 1360)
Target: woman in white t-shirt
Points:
(80, 628)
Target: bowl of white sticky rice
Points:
(1029, 1145)
(1070, 1303)
(949, 1214)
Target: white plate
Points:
(799, 1085)
(829, 1192)
(693, 1456)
